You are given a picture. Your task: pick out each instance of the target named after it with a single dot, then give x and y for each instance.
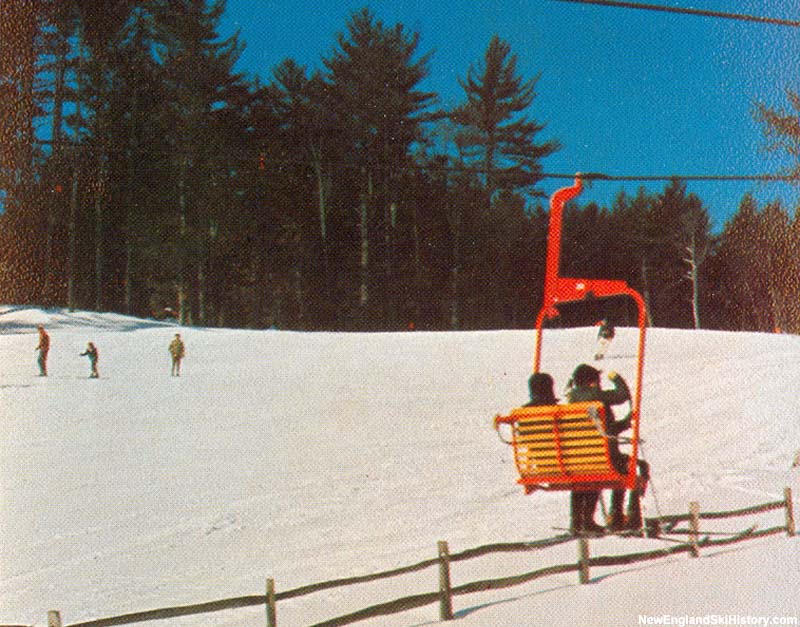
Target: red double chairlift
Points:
(564, 446)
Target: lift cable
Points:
(266, 164)
(700, 12)
(599, 176)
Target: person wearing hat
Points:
(43, 348)
(585, 386)
(177, 350)
(540, 387)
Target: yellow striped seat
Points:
(563, 447)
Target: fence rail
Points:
(695, 541)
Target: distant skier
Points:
(43, 348)
(93, 355)
(604, 336)
(177, 349)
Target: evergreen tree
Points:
(20, 236)
(162, 177)
(57, 60)
(781, 128)
(628, 249)
(499, 140)
(306, 144)
(743, 290)
(457, 191)
(100, 33)
(678, 236)
(198, 76)
(372, 77)
(499, 136)
(138, 132)
(19, 28)
(777, 263)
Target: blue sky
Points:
(626, 92)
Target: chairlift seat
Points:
(564, 447)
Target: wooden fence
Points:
(697, 539)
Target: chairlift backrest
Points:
(558, 447)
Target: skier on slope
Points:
(43, 349)
(177, 350)
(605, 334)
(93, 355)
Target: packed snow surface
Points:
(306, 457)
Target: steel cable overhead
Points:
(593, 176)
(599, 176)
(254, 160)
(688, 11)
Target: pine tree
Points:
(781, 128)
(20, 265)
(101, 33)
(628, 251)
(743, 289)
(140, 133)
(307, 142)
(776, 261)
(373, 76)
(198, 76)
(60, 24)
(499, 136)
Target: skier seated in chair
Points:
(540, 387)
(585, 386)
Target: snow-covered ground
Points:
(313, 456)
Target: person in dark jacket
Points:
(540, 387)
(93, 355)
(585, 386)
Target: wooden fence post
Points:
(583, 558)
(787, 495)
(53, 618)
(445, 593)
(272, 619)
(694, 525)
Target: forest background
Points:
(140, 173)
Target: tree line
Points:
(141, 173)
